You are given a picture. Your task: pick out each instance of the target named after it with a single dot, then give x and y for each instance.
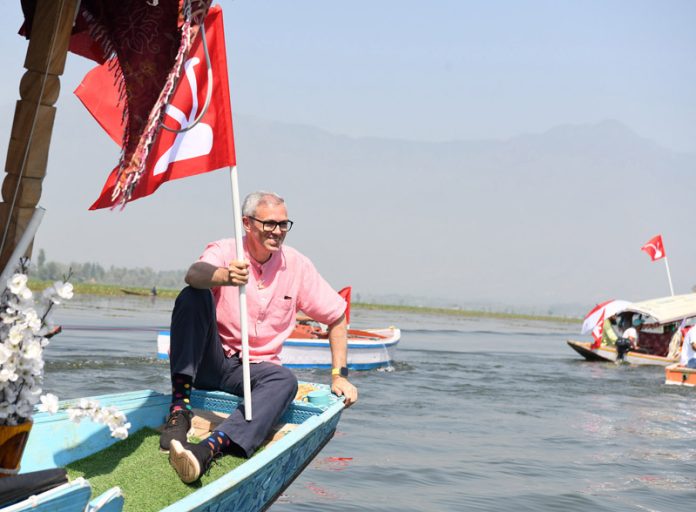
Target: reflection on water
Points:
(475, 414)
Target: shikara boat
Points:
(609, 354)
(56, 442)
(126, 291)
(654, 335)
(680, 375)
(308, 347)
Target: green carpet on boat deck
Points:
(143, 473)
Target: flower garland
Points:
(109, 416)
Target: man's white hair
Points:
(253, 200)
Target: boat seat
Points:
(16, 488)
(64, 498)
(108, 501)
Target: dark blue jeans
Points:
(196, 351)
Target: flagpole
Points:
(242, 293)
(669, 276)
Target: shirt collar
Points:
(259, 267)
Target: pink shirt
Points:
(276, 290)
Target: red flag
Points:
(597, 332)
(208, 146)
(654, 248)
(99, 94)
(345, 293)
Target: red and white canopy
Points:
(608, 308)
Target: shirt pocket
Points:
(281, 314)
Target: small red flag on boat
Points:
(597, 332)
(345, 293)
(654, 248)
(204, 147)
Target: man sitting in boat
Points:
(206, 340)
(627, 341)
(688, 351)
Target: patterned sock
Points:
(181, 392)
(218, 442)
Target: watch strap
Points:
(342, 371)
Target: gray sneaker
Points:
(177, 427)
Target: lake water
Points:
(476, 414)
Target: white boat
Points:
(309, 348)
(662, 316)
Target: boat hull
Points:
(680, 375)
(364, 353)
(252, 486)
(608, 354)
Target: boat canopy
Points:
(667, 309)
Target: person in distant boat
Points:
(631, 334)
(206, 334)
(675, 341)
(688, 351)
(609, 335)
(628, 341)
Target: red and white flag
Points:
(208, 146)
(597, 332)
(654, 248)
(345, 293)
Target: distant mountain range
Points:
(548, 220)
(552, 221)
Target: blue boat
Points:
(252, 486)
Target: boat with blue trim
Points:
(308, 347)
(303, 431)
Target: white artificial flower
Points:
(75, 414)
(30, 395)
(7, 409)
(5, 353)
(64, 290)
(8, 316)
(10, 393)
(17, 283)
(8, 375)
(121, 432)
(49, 403)
(49, 293)
(117, 415)
(32, 350)
(24, 408)
(16, 334)
(32, 320)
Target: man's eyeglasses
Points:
(270, 225)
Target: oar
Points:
(366, 334)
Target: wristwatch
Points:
(342, 371)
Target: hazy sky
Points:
(460, 69)
(420, 71)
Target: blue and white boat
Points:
(55, 442)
